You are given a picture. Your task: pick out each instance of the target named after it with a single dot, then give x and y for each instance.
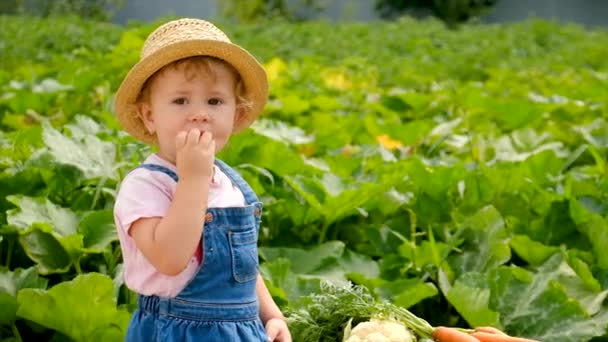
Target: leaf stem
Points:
(9, 252)
(323, 231)
(77, 266)
(16, 332)
(98, 190)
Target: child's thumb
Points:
(271, 332)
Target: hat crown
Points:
(180, 31)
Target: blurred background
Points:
(586, 12)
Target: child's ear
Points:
(239, 115)
(145, 113)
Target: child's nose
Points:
(199, 115)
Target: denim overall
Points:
(220, 302)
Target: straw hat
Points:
(179, 39)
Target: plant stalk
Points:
(9, 252)
(16, 332)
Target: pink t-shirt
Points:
(146, 193)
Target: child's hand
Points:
(277, 330)
(194, 154)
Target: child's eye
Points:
(180, 101)
(215, 101)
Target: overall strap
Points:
(163, 169)
(237, 180)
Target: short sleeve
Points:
(143, 193)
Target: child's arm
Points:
(268, 308)
(271, 315)
(170, 242)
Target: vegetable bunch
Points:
(328, 316)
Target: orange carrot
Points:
(489, 337)
(443, 334)
(490, 330)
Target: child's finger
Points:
(206, 138)
(271, 332)
(193, 137)
(180, 139)
(212, 145)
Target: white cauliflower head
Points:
(380, 331)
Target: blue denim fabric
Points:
(220, 303)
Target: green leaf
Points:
(538, 306)
(81, 308)
(280, 131)
(353, 262)
(306, 261)
(514, 114)
(533, 252)
(595, 227)
(477, 190)
(470, 296)
(487, 244)
(336, 207)
(96, 158)
(407, 292)
(426, 253)
(40, 210)
(555, 226)
(10, 284)
(98, 231)
(329, 261)
(285, 284)
(293, 104)
(252, 148)
(13, 281)
(9, 305)
(49, 254)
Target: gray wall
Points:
(148, 10)
(591, 13)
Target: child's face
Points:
(177, 103)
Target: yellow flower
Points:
(275, 68)
(388, 143)
(337, 80)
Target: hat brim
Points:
(251, 72)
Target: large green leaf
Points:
(10, 284)
(470, 296)
(81, 308)
(49, 253)
(531, 251)
(40, 210)
(252, 148)
(352, 262)
(329, 261)
(595, 227)
(407, 292)
(9, 305)
(487, 242)
(281, 131)
(284, 283)
(539, 306)
(50, 233)
(306, 261)
(98, 230)
(13, 281)
(96, 158)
